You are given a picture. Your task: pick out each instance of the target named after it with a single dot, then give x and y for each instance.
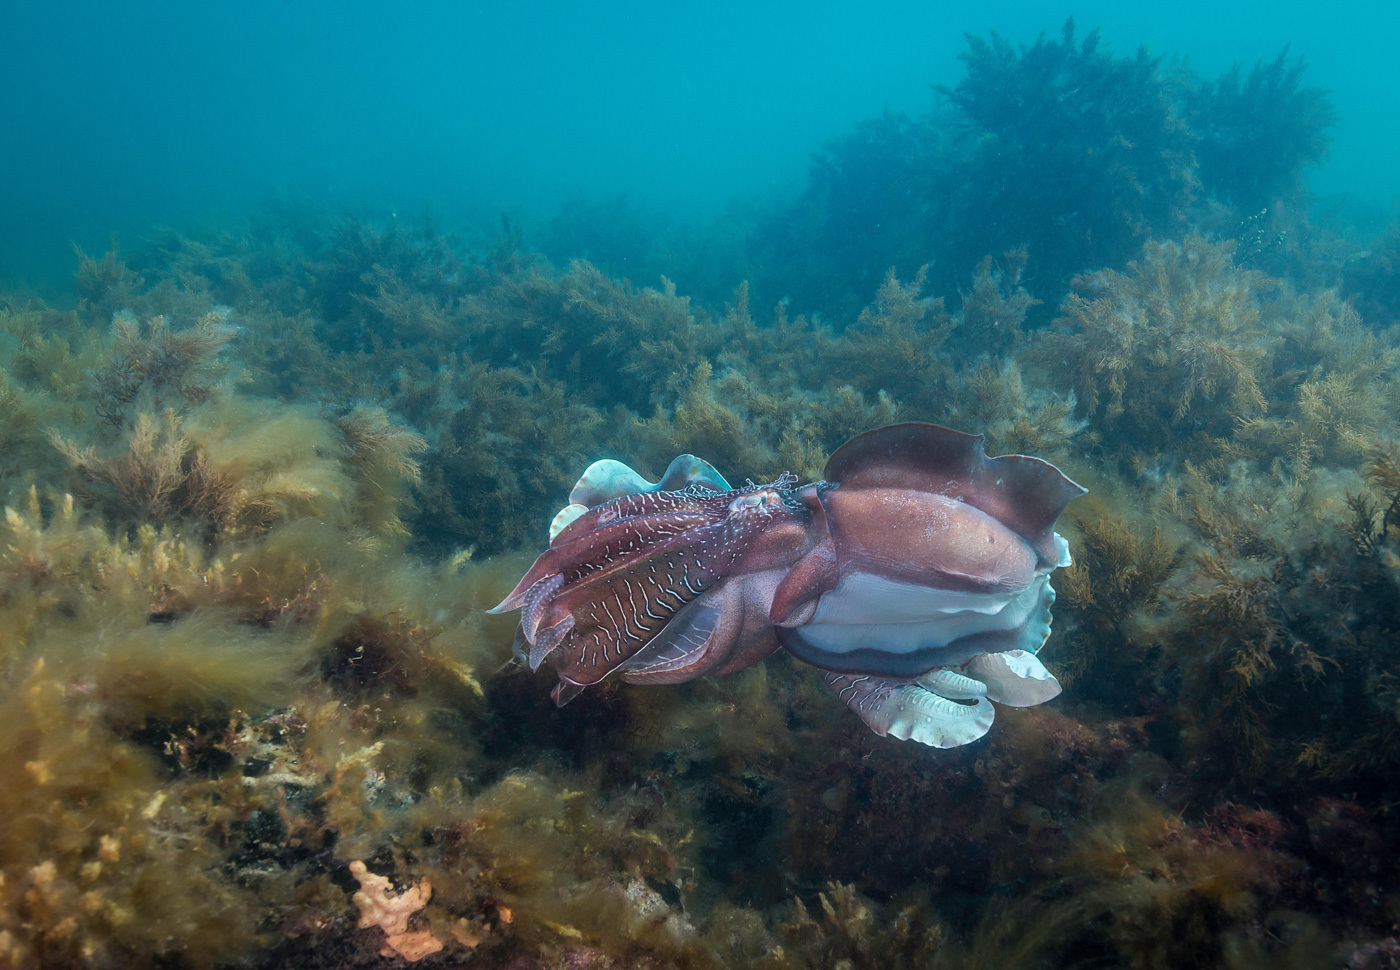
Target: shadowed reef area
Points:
(262, 481)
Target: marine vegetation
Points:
(264, 483)
(1169, 350)
(1061, 146)
(1264, 131)
(1125, 173)
(1372, 282)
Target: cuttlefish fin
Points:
(905, 708)
(1024, 494)
(606, 480)
(681, 644)
(1015, 678)
(609, 478)
(687, 470)
(566, 515)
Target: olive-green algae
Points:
(266, 684)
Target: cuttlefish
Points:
(915, 575)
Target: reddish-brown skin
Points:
(668, 586)
(745, 634)
(616, 577)
(1022, 493)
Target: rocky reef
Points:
(261, 484)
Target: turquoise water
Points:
(119, 118)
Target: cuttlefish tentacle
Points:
(1015, 678)
(672, 655)
(626, 533)
(537, 599)
(549, 641)
(618, 616)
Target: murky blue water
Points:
(119, 117)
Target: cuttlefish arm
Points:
(639, 585)
(723, 631)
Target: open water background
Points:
(117, 117)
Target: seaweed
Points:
(629, 240)
(606, 339)
(1383, 475)
(1114, 591)
(371, 280)
(1334, 388)
(894, 345)
(1277, 629)
(229, 597)
(1087, 149)
(380, 459)
(994, 311)
(1017, 418)
(160, 363)
(1240, 616)
(1058, 146)
(160, 477)
(851, 933)
(1172, 349)
(1260, 133)
(1372, 278)
(106, 285)
(503, 449)
(1172, 890)
(874, 198)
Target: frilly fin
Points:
(1015, 678)
(608, 479)
(566, 515)
(946, 708)
(1024, 494)
(907, 709)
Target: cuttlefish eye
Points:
(746, 502)
(754, 500)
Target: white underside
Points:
(870, 612)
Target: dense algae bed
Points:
(253, 478)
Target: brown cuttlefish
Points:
(916, 574)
